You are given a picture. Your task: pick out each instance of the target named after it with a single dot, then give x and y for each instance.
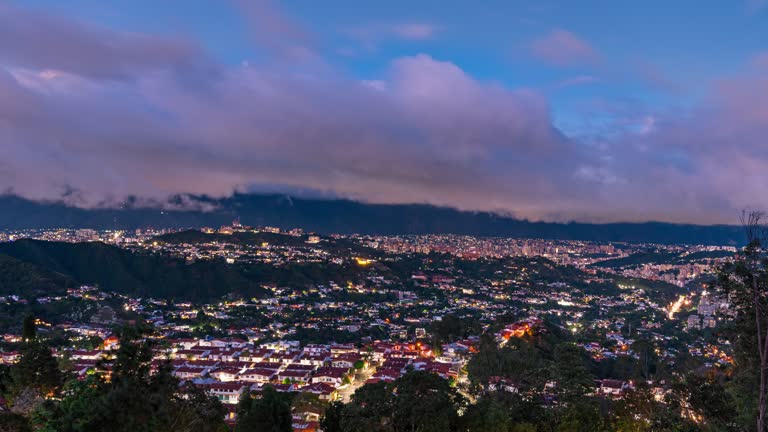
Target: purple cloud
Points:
(427, 133)
(657, 78)
(423, 131)
(563, 48)
(755, 6)
(414, 31)
(578, 80)
(277, 33)
(35, 39)
(370, 36)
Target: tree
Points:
(269, 413)
(638, 411)
(194, 410)
(570, 373)
(132, 400)
(745, 282)
(418, 401)
(331, 419)
(83, 408)
(577, 416)
(29, 329)
(10, 422)
(647, 358)
(132, 361)
(424, 402)
(519, 361)
(451, 327)
(369, 410)
(306, 401)
(487, 415)
(704, 398)
(37, 369)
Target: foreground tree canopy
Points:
(133, 399)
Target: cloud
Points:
(35, 39)
(755, 6)
(423, 131)
(578, 80)
(275, 32)
(655, 77)
(371, 35)
(704, 164)
(759, 61)
(414, 31)
(563, 48)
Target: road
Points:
(345, 392)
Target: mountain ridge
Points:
(119, 270)
(343, 216)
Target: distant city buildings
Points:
(385, 307)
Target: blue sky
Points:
(684, 43)
(554, 110)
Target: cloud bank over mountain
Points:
(92, 115)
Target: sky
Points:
(592, 111)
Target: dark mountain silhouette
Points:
(28, 266)
(25, 279)
(345, 216)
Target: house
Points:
(239, 364)
(9, 357)
(216, 343)
(286, 388)
(301, 367)
(301, 425)
(311, 413)
(227, 393)
(230, 415)
(267, 365)
(86, 354)
(395, 363)
(444, 370)
(225, 355)
(256, 355)
(82, 367)
(316, 348)
(315, 358)
(441, 279)
(281, 345)
(380, 350)
(285, 357)
(330, 375)
(611, 387)
(346, 360)
(205, 364)
(238, 344)
(188, 373)
(324, 391)
(293, 376)
(226, 374)
(258, 375)
(191, 354)
(383, 374)
(111, 342)
(501, 384)
(406, 354)
(343, 349)
(184, 343)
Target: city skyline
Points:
(594, 112)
